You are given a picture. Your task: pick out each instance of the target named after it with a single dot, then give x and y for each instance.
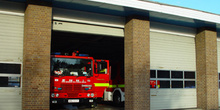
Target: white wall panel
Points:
(11, 49)
(11, 35)
(10, 99)
(172, 52)
(87, 29)
(88, 18)
(172, 98)
(218, 53)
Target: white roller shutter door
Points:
(11, 52)
(218, 54)
(172, 51)
(11, 35)
(88, 23)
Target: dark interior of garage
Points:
(97, 46)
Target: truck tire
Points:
(117, 99)
(93, 105)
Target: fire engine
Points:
(78, 79)
(115, 92)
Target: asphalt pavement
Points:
(99, 107)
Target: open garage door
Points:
(87, 23)
(97, 46)
(100, 36)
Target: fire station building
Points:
(174, 47)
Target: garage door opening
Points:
(97, 46)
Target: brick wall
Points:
(137, 64)
(36, 61)
(206, 69)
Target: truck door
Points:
(101, 76)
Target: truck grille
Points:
(67, 87)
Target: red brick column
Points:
(206, 69)
(137, 63)
(36, 61)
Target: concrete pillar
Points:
(206, 69)
(137, 63)
(36, 61)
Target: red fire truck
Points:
(78, 79)
(115, 92)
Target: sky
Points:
(212, 6)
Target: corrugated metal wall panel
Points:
(11, 49)
(11, 35)
(88, 29)
(88, 18)
(172, 52)
(10, 99)
(172, 98)
(218, 53)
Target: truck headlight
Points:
(52, 95)
(57, 95)
(92, 94)
(88, 95)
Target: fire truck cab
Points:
(78, 79)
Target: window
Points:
(177, 74)
(7, 68)
(153, 84)
(152, 73)
(189, 84)
(218, 76)
(102, 67)
(163, 84)
(9, 81)
(163, 74)
(10, 75)
(172, 79)
(71, 67)
(177, 84)
(219, 80)
(189, 75)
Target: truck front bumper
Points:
(71, 101)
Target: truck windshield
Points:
(71, 67)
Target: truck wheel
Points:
(117, 99)
(93, 105)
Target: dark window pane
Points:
(102, 67)
(163, 74)
(152, 83)
(9, 81)
(71, 67)
(189, 75)
(163, 84)
(177, 74)
(218, 76)
(152, 73)
(10, 68)
(3, 81)
(177, 84)
(189, 84)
